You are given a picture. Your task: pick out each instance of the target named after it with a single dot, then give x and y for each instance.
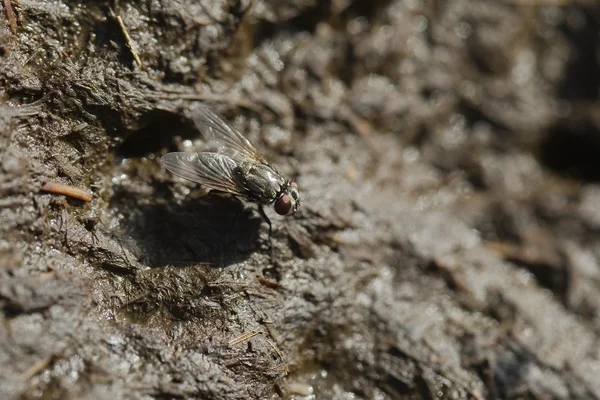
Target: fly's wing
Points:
(213, 170)
(228, 140)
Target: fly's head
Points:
(288, 200)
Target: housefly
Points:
(235, 167)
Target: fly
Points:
(235, 167)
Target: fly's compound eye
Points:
(294, 184)
(284, 205)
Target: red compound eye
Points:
(294, 184)
(284, 205)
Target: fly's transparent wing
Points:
(229, 140)
(213, 170)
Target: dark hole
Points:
(474, 114)
(553, 277)
(305, 21)
(427, 93)
(572, 148)
(582, 77)
(366, 9)
(157, 134)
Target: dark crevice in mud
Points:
(497, 226)
(397, 386)
(157, 133)
(419, 136)
(366, 8)
(572, 148)
(582, 77)
(475, 115)
(487, 61)
(556, 278)
(307, 21)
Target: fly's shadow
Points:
(212, 229)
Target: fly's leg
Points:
(262, 213)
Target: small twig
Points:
(10, 16)
(206, 97)
(69, 191)
(279, 353)
(270, 284)
(37, 367)
(128, 40)
(246, 336)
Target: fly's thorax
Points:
(262, 182)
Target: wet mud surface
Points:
(447, 157)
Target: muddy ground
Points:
(448, 157)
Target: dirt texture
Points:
(448, 159)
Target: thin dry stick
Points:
(70, 191)
(128, 40)
(10, 16)
(269, 283)
(37, 367)
(205, 97)
(278, 352)
(246, 336)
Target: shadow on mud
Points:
(212, 230)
